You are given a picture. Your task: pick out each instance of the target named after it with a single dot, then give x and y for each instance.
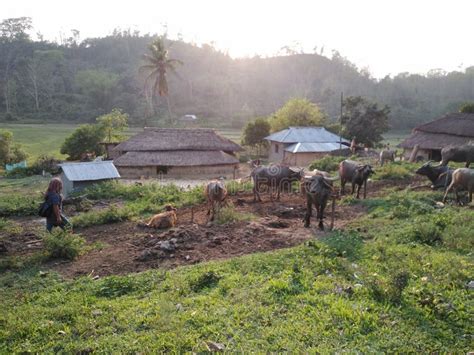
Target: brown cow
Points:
(215, 194)
(164, 220)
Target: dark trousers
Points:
(65, 224)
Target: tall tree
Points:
(364, 120)
(158, 66)
(113, 124)
(255, 132)
(297, 112)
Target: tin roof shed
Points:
(90, 171)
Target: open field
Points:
(391, 277)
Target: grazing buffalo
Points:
(164, 220)
(440, 176)
(386, 155)
(215, 195)
(460, 154)
(275, 177)
(356, 173)
(318, 190)
(463, 179)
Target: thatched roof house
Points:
(452, 129)
(176, 152)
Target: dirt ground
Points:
(121, 248)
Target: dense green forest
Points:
(77, 80)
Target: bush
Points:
(63, 245)
(392, 171)
(206, 280)
(425, 233)
(18, 205)
(343, 244)
(327, 163)
(228, 214)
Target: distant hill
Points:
(77, 81)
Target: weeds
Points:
(63, 245)
(229, 214)
(327, 163)
(205, 281)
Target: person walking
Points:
(54, 199)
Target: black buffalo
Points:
(356, 173)
(460, 154)
(440, 176)
(275, 177)
(318, 191)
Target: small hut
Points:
(173, 152)
(453, 129)
(301, 145)
(77, 176)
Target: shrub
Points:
(425, 233)
(115, 286)
(343, 244)
(207, 280)
(392, 171)
(398, 283)
(328, 163)
(63, 244)
(18, 205)
(229, 214)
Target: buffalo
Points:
(459, 154)
(356, 173)
(216, 193)
(440, 176)
(386, 155)
(275, 177)
(463, 179)
(318, 190)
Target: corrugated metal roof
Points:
(305, 135)
(96, 170)
(313, 147)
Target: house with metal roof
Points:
(299, 146)
(77, 176)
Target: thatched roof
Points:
(159, 139)
(452, 129)
(175, 158)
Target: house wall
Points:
(68, 186)
(302, 159)
(424, 153)
(274, 155)
(203, 171)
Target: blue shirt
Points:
(54, 198)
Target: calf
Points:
(318, 191)
(440, 176)
(215, 194)
(463, 179)
(356, 173)
(164, 220)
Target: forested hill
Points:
(79, 80)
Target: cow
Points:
(275, 177)
(440, 176)
(463, 179)
(163, 220)
(216, 193)
(318, 190)
(356, 173)
(459, 154)
(386, 155)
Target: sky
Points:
(386, 37)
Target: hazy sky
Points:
(386, 36)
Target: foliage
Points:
(113, 124)
(327, 163)
(63, 245)
(43, 163)
(343, 244)
(85, 139)
(99, 88)
(10, 152)
(229, 214)
(297, 112)
(255, 132)
(395, 171)
(467, 108)
(359, 114)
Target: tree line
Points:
(78, 80)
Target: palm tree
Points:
(158, 65)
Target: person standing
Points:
(54, 199)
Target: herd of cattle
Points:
(318, 187)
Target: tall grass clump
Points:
(393, 171)
(229, 214)
(63, 245)
(327, 163)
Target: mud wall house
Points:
(176, 153)
(77, 176)
(452, 129)
(300, 146)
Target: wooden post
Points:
(192, 214)
(414, 153)
(333, 207)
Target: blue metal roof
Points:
(313, 147)
(96, 170)
(305, 135)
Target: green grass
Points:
(378, 286)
